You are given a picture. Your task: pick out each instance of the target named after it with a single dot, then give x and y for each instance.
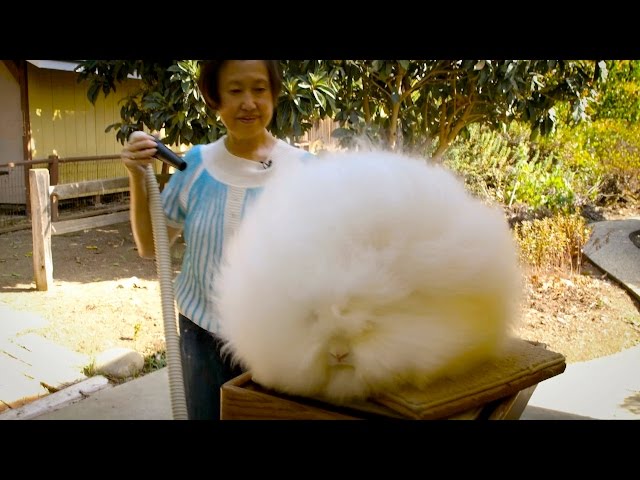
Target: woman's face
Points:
(246, 102)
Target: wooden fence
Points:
(71, 170)
(43, 226)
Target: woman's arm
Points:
(136, 156)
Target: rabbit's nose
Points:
(340, 356)
(339, 353)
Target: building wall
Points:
(11, 179)
(64, 122)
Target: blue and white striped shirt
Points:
(207, 200)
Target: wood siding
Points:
(64, 122)
(11, 180)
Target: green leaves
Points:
(166, 98)
(429, 102)
(619, 95)
(308, 94)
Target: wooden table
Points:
(497, 390)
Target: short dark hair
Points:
(208, 80)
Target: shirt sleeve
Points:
(174, 196)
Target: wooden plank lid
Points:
(522, 365)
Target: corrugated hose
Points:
(165, 275)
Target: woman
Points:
(206, 202)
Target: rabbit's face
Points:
(338, 341)
(363, 346)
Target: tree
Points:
(410, 101)
(398, 102)
(620, 94)
(167, 98)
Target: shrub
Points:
(552, 243)
(485, 162)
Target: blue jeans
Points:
(203, 370)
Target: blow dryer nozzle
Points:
(168, 156)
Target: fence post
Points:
(40, 201)
(54, 179)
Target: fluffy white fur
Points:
(359, 272)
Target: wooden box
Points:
(497, 390)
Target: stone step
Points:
(17, 388)
(12, 322)
(51, 365)
(55, 401)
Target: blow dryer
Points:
(168, 156)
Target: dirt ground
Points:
(104, 295)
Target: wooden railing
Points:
(43, 226)
(53, 165)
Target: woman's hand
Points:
(138, 151)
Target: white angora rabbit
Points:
(358, 273)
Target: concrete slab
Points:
(37, 347)
(16, 389)
(32, 366)
(57, 400)
(606, 388)
(144, 398)
(538, 413)
(12, 322)
(52, 365)
(610, 248)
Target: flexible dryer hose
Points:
(165, 276)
